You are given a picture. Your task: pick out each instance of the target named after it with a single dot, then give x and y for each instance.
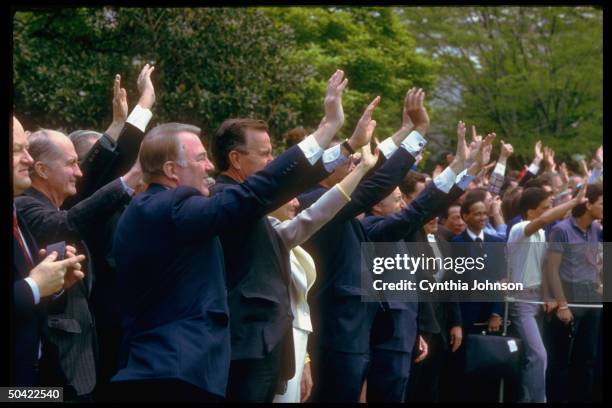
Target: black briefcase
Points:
(492, 354)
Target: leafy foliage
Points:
(527, 73)
(211, 64)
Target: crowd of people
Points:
(139, 277)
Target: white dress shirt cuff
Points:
(500, 168)
(414, 143)
(140, 117)
(445, 180)
(463, 180)
(533, 168)
(127, 188)
(35, 290)
(388, 147)
(333, 158)
(311, 149)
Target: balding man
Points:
(33, 286)
(54, 175)
(172, 291)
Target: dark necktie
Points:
(17, 236)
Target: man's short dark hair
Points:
(534, 183)
(408, 184)
(531, 198)
(469, 201)
(594, 191)
(478, 193)
(294, 136)
(510, 203)
(230, 135)
(444, 213)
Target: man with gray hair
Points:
(54, 174)
(36, 285)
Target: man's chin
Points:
(205, 191)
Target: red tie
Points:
(17, 236)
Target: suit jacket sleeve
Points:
(259, 194)
(23, 298)
(528, 176)
(106, 161)
(294, 232)
(376, 187)
(406, 222)
(49, 225)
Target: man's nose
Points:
(77, 171)
(209, 166)
(27, 159)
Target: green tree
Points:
(527, 73)
(372, 46)
(211, 64)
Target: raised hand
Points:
(360, 136)
(334, 113)
(474, 145)
(584, 168)
(506, 150)
(483, 154)
(537, 150)
(549, 159)
(369, 159)
(416, 110)
(145, 87)
(120, 104)
(599, 157)
(564, 173)
(407, 124)
(462, 148)
(461, 156)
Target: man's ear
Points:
(41, 170)
(234, 159)
(170, 170)
(376, 208)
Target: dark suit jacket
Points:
(106, 161)
(258, 280)
(341, 321)
(435, 316)
(72, 330)
(395, 227)
(28, 319)
(173, 293)
(474, 312)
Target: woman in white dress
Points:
(296, 229)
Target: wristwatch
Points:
(348, 147)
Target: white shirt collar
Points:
(473, 236)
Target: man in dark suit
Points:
(390, 361)
(473, 243)
(173, 292)
(342, 323)
(257, 263)
(474, 213)
(34, 287)
(102, 159)
(439, 322)
(54, 176)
